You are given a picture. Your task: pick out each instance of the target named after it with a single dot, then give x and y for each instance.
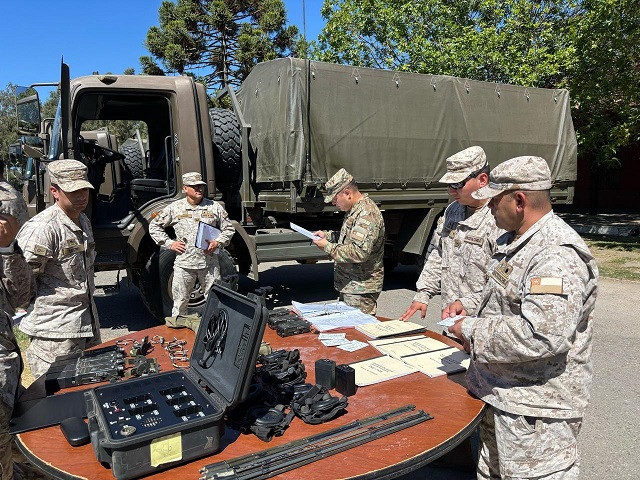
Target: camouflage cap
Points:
(6, 194)
(519, 173)
(335, 184)
(69, 175)
(192, 178)
(464, 163)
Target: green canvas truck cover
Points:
(393, 129)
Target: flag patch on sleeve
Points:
(546, 285)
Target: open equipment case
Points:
(152, 423)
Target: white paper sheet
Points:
(304, 231)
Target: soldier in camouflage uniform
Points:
(18, 207)
(464, 240)
(58, 244)
(191, 262)
(358, 248)
(15, 291)
(531, 342)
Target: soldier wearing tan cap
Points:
(464, 240)
(15, 292)
(18, 206)
(192, 263)
(531, 341)
(58, 244)
(358, 248)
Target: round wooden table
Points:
(455, 415)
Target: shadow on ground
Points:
(313, 283)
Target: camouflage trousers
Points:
(366, 302)
(42, 352)
(513, 446)
(6, 459)
(184, 279)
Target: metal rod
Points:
(315, 438)
(309, 449)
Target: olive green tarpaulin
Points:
(392, 128)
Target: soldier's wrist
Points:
(422, 298)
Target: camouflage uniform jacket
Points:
(458, 257)
(184, 218)
(15, 291)
(61, 254)
(17, 207)
(531, 344)
(358, 250)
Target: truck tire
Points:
(227, 149)
(166, 259)
(133, 159)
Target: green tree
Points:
(516, 41)
(8, 125)
(50, 105)
(605, 79)
(217, 41)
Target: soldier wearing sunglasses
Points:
(464, 240)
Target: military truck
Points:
(293, 123)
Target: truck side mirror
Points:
(28, 112)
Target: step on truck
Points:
(292, 125)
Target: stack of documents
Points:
(379, 369)
(390, 328)
(206, 233)
(328, 316)
(428, 355)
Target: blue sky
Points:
(103, 36)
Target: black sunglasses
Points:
(459, 185)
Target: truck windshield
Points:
(56, 143)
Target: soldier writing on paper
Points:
(358, 248)
(191, 262)
(531, 342)
(465, 238)
(58, 244)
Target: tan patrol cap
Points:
(6, 197)
(519, 173)
(69, 175)
(6, 194)
(462, 164)
(192, 178)
(340, 179)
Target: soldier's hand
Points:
(319, 233)
(456, 329)
(179, 246)
(453, 309)
(213, 244)
(413, 308)
(321, 242)
(8, 229)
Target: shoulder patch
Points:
(546, 285)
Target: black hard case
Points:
(222, 385)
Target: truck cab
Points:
(132, 180)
